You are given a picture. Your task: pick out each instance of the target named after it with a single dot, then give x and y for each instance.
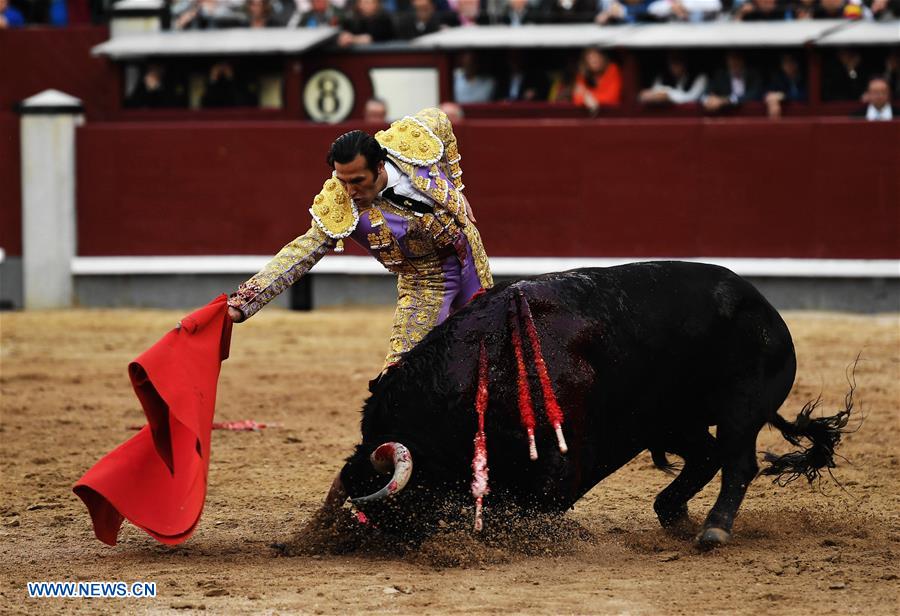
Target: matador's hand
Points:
(236, 315)
(469, 214)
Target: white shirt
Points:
(680, 93)
(884, 114)
(402, 184)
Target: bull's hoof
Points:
(682, 527)
(712, 538)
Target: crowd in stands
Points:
(591, 79)
(366, 21)
(713, 82)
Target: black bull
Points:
(641, 357)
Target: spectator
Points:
(318, 13)
(513, 13)
(259, 14)
(454, 112)
(844, 77)
(562, 86)
(892, 71)
(367, 23)
(677, 85)
(568, 11)
(375, 111)
(470, 85)
(153, 91)
(9, 16)
(800, 9)
(760, 10)
(735, 84)
(788, 84)
(468, 12)
(883, 10)
(523, 82)
(624, 12)
(59, 13)
(838, 9)
(878, 97)
(424, 19)
(598, 82)
(205, 14)
(224, 89)
(684, 10)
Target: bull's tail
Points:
(823, 435)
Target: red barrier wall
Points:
(10, 186)
(34, 59)
(732, 188)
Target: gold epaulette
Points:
(334, 212)
(411, 141)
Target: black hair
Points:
(349, 145)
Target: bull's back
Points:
(665, 338)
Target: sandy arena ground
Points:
(66, 401)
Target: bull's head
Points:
(381, 483)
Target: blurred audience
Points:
(684, 10)
(677, 85)
(453, 111)
(424, 19)
(199, 14)
(367, 23)
(375, 111)
(760, 10)
(470, 83)
(891, 71)
(883, 10)
(624, 12)
(844, 77)
(800, 9)
(562, 84)
(735, 84)
(512, 13)
(225, 89)
(10, 17)
(567, 11)
(598, 82)
(207, 14)
(838, 9)
(154, 90)
(523, 82)
(318, 13)
(787, 84)
(259, 14)
(878, 97)
(468, 12)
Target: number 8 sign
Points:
(328, 96)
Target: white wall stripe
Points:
(501, 266)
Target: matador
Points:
(399, 195)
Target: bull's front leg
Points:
(335, 498)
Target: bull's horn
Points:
(387, 456)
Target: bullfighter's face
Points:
(358, 180)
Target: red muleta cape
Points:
(157, 479)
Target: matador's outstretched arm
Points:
(287, 267)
